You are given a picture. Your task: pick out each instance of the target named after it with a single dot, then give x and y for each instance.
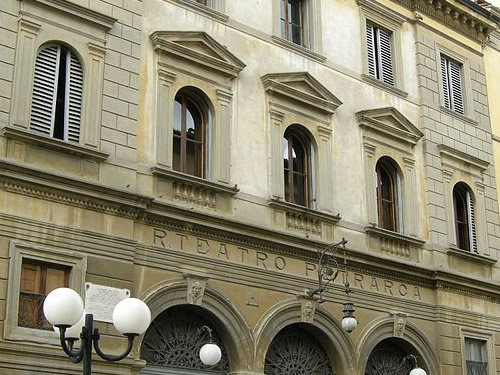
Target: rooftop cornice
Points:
(461, 15)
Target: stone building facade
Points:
(200, 153)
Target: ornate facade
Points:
(200, 153)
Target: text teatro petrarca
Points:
(172, 240)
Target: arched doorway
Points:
(296, 351)
(387, 358)
(172, 343)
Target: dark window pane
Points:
(193, 159)
(299, 184)
(177, 117)
(176, 157)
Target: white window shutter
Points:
(73, 105)
(456, 88)
(472, 224)
(43, 104)
(385, 62)
(370, 44)
(446, 83)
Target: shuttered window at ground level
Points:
(379, 51)
(452, 85)
(57, 94)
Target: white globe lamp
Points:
(349, 324)
(63, 307)
(75, 330)
(210, 354)
(131, 316)
(418, 371)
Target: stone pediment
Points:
(303, 87)
(389, 122)
(198, 47)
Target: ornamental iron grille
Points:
(476, 368)
(294, 351)
(174, 340)
(388, 359)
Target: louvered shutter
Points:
(456, 88)
(385, 62)
(73, 105)
(370, 45)
(43, 104)
(472, 224)
(446, 82)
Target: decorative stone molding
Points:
(389, 122)
(458, 158)
(394, 243)
(34, 182)
(198, 48)
(303, 219)
(21, 134)
(74, 10)
(463, 15)
(302, 87)
(191, 189)
(308, 308)
(456, 252)
(195, 288)
(400, 320)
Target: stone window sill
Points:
(301, 210)
(176, 176)
(54, 143)
(380, 232)
(458, 115)
(384, 86)
(455, 251)
(204, 10)
(298, 49)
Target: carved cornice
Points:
(463, 16)
(304, 211)
(302, 87)
(102, 20)
(389, 122)
(451, 153)
(34, 182)
(198, 48)
(380, 232)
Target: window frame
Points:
(61, 126)
(465, 79)
(386, 164)
(489, 345)
(311, 43)
(87, 38)
(294, 131)
(183, 139)
(469, 202)
(378, 15)
(284, 18)
(19, 252)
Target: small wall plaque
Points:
(100, 300)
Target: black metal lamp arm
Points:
(111, 357)
(74, 356)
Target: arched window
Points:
(190, 122)
(174, 339)
(295, 351)
(297, 165)
(387, 358)
(57, 93)
(388, 190)
(465, 227)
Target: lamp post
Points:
(328, 269)
(63, 308)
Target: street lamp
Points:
(328, 269)
(63, 308)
